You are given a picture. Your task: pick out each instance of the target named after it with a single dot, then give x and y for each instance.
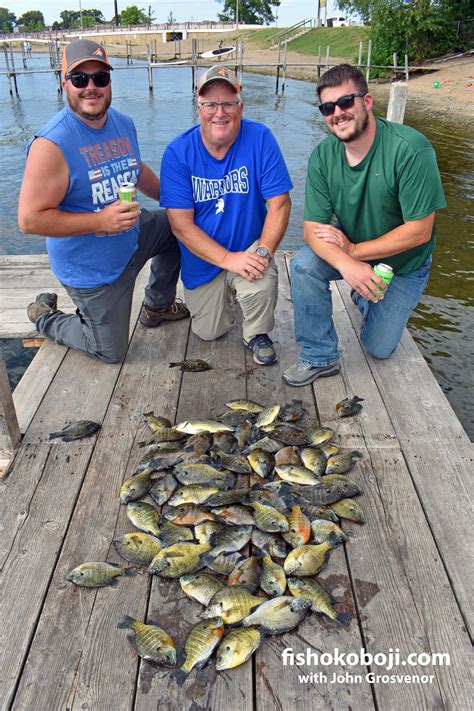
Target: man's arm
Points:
(148, 182)
(44, 186)
(248, 265)
(276, 222)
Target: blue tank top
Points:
(99, 161)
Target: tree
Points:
(420, 28)
(7, 20)
(251, 12)
(133, 16)
(69, 19)
(171, 19)
(32, 21)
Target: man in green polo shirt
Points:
(379, 184)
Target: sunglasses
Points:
(345, 102)
(81, 79)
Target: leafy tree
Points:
(32, 20)
(69, 19)
(133, 16)
(251, 12)
(55, 25)
(7, 20)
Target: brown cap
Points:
(83, 50)
(222, 73)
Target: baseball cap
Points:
(222, 73)
(83, 50)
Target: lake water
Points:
(442, 325)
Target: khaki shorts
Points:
(212, 304)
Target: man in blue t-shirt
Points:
(226, 187)
(96, 245)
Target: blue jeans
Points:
(100, 325)
(382, 324)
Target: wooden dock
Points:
(406, 575)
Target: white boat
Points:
(219, 52)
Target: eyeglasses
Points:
(81, 79)
(345, 102)
(210, 107)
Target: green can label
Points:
(384, 271)
(127, 193)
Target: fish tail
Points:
(179, 676)
(53, 435)
(206, 559)
(126, 622)
(173, 365)
(130, 571)
(344, 617)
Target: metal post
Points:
(12, 59)
(149, 69)
(407, 72)
(327, 57)
(278, 66)
(319, 61)
(194, 65)
(395, 62)
(369, 56)
(361, 45)
(284, 68)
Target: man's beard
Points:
(74, 104)
(359, 127)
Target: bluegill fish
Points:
(278, 615)
(349, 406)
(199, 443)
(200, 586)
(300, 528)
(97, 575)
(150, 641)
(137, 547)
(321, 600)
(297, 474)
(164, 434)
(193, 494)
(226, 498)
(247, 405)
(273, 580)
(292, 412)
(235, 515)
(232, 604)
(136, 486)
(327, 531)
(76, 430)
(290, 435)
(144, 516)
(247, 573)
(349, 509)
(318, 435)
(188, 515)
(171, 533)
(342, 462)
(224, 441)
(234, 463)
(224, 563)
(162, 489)
(200, 644)
(234, 417)
(177, 560)
(203, 531)
(195, 426)
(237, 647)
(261, 462)
(156, 422)
(269, 519)
(314, 460)
(193, 366)
(307, 560)
(266, 444)
(229, 540)
(267, 416)
(270, 543)
(288, 455)
(198, 473)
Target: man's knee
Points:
(379, 349)
(206, 332)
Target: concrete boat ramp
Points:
(406, 575)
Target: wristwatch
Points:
(263, 252)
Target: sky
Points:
(289, 12)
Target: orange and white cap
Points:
(216, 73)
(83, 50)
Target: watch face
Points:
(263, 252)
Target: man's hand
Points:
(331, 234)
(117, 217)
(360, 277)
(249, 265)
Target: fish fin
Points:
(173, 365)
(113, 583)
(179, 676)
(357, 455)
(125, 623)
(206, 559)
(130, 571)
(344, 617)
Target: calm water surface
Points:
(443, 322)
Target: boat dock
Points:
(406, 576)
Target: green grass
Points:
(342, 41)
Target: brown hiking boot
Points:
(45, 303)
(151, 317)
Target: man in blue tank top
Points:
(226, 187)
(96, 245)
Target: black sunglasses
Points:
(81, 79)
(345, 102)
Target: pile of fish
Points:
(248, 554)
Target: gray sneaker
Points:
(302, 373)
(45, 303)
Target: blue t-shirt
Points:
(228, 196)
(99, 161)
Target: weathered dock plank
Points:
(71, 645)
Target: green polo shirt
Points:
(398, 181)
